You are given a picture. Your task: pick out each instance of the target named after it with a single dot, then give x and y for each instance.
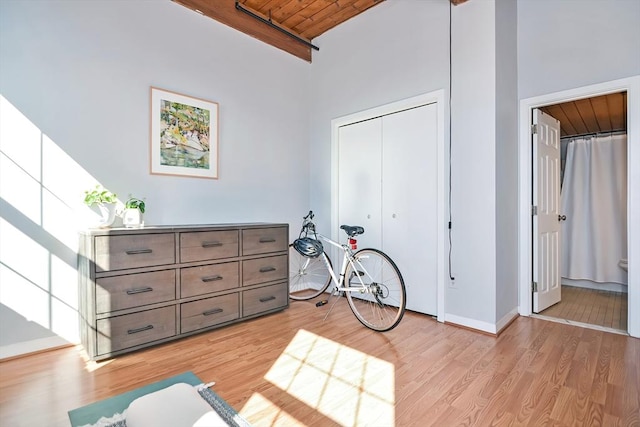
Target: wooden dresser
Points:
(141, 287)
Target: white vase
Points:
(107, 213)
(132, 218)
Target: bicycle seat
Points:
(352, 231)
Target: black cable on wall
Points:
(450, 139)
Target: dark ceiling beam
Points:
(225, 11)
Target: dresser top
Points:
(112, 231)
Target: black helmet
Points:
(308, 247)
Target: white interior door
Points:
(546, 223)
(360, 180)
(410, 201)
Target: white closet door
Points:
(360, 180)
(409, 201)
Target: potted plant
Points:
(105, 200)
(133, 210)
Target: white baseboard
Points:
(506, 319)
(26, 347)
(482, 326)
(470, 323)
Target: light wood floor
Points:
(294, 369)
(592, 306)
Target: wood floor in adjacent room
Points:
(294, 369)
(592, 306)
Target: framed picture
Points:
(184, 135)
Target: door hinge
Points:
(534, 129)
(534, 287)
(534, 210)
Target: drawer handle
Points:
(211, 278)
(139, 251)
(139, 290)
(211, 244)
(214, 311)
(267, 240)
(265, 299)
(267, 269)
(135, 331)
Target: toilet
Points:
(623, 264)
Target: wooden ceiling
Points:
(290, 25)
(606, 113)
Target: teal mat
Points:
(115, 405)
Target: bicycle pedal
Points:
(321, 303)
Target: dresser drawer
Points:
(264, 299)
(120, 332)
(136, 250)
(209, 278)
(134, 290)
(266, 269)
(264, 240)
(208, 312)
(206, 245)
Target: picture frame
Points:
(184, 135)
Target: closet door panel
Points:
(360, 180)
(409, 201)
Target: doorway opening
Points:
(593, 288)
(631, 86)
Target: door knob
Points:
(562, 217)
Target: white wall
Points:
(506, 161)
(80, 73)
(394, 51)
(472, 300)
(573, 43)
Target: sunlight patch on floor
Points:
(260, 411)
(350, 387)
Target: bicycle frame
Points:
(347, 258)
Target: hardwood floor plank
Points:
(293, 368)
(591, 306)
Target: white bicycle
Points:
(368, 278)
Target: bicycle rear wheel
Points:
(308, 277)
(382, 301)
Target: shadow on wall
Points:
(41, 211)
(30, 328)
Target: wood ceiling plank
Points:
(618, 108)
(571, 111)
(329, 17)
(284, 10)
(262, 6)
(314, 25)
(314, 7)
(601, 110)
(587, 114)
(557, 113)
(224, 11)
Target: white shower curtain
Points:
(594, 200)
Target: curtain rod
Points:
(593, 134)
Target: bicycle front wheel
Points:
(377, 295)
(308, 277)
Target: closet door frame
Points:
(437, 97)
